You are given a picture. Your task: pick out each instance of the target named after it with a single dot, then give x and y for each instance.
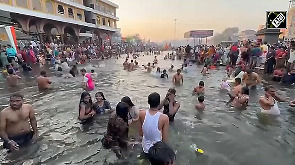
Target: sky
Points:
(154, 19)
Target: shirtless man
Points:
(131, 66)
(251, 79)
(268, 102)
(177, 78)
(171, 106)
(12, 79)
(241, 100)
(18, 125)
(148, 67)
(236, 91)
(171, 68)
(126, 64)
(199, 90)
(43, 81)
(154, 125)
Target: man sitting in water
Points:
(171, 106)
(200, 90)
(241, 100)
(177, 78)
(12, 79)
(268, 102)
(164, 74)
(155, 60)
(131, 66)
(43, 81)
(18, 125)
(251, 79)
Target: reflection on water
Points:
(227, 136)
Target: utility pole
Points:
(174, 30)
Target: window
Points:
(113, 12)
(107, 10)
(102, 8)
(49, 7)
(109, 22)
(98, 20)
(70, 12)
(79, 16)
(91, 6)
(103, 21)
(60, 9)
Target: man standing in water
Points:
(177, 78)
(171, 106)
(43, 81)
(251, 79)
(18, 125)
(12, 79)
(154, 125)
(268, 102)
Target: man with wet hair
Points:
(154, 125)
(12, 78)
(177, 78)
(268, 102)
(161, 154)
(171, 106)
(43, 81)
(18, 125)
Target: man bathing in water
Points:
(177, 78)
(155, 60)
(148, 67)
(268, 102)
(18, 125)
(12, 79)
(43, 81)
(164, 74)
(251, 79)
(236, 90)
(131, 66)
(199, 90)
(171, 106)
(126, 64)
(171, 69)
(241, 100)
(200, 106)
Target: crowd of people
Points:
(18, 125)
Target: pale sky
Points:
(154, 19)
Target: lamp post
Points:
(174, 30)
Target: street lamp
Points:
(174, 30)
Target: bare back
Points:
(13, 80)
(43, 82)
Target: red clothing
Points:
(234, 48)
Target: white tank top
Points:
(274, 110)
(151, 133)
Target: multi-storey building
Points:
(66, 20)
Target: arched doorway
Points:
(33, 29)
(70, 36)
(51, 33)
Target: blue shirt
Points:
(11, 52)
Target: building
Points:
(65, 21)
(270, 36)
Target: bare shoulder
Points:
(5, 111)
(164, 117)
(27, 107)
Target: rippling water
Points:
(227, 136)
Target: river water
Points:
(227, 136)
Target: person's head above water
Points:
(16, 101)
(83, 71)
(270, 90)
(85, 98)
(158, 69)
(59, 69)
(201, 98)
(172, 66)
(164, 71)
(99, 96)
(122, 111)
(128, 101)
(201, 83)
(238, 81)
(154, 100)
(92, 71)
(131, 61)
(249, 71)
(178, 71)
(43, 73)
(161, 154)
(171, 90)
(10, 71)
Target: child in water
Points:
(204, 70)
(200, 90)
(224, 85)
(200, 106)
